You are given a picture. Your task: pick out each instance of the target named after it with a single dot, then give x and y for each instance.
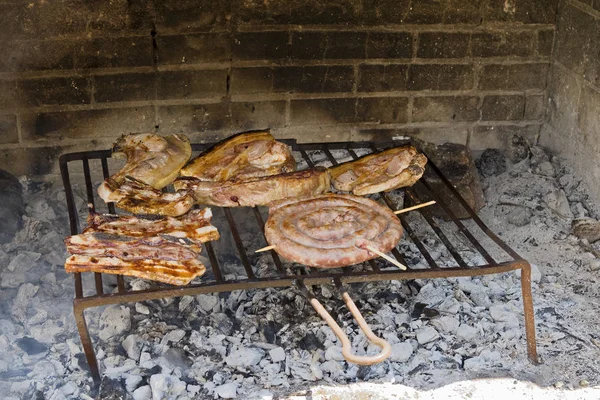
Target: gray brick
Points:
(318, 79)
(194, 48)
(445, 109)
(382, 109)
(193, 118)
(32, 161)
(534, 106)
(42, 55)
(328, 45)
(191, 16)
(49, 91)
(588, 118)
(322, 111)
(125, 87)
(325, 12)
(8, 129)
(88, 124)
(9, 94)
(120, 16)
(576, 29)
(564, 90)
(378, 12)
(436, 135)
(258, 12)
(251, 80)
(389, 45)
(191, 84)
(502, 108)
(257, 115)
(513, 76)
(114, 52)
(261, 46)
(524, 11)
(440, 77)
(425, 12)
(49, 19)
(379, 78)
(463, 12)
(545, 42)
(443, 45)
(502, 44)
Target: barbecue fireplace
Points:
(333, 79)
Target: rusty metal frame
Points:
(304, 276)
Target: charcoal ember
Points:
(491, 162)
(12, 207)
(31, 346)
(519, 148)
(113, 389)
(310, 342)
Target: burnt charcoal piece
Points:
(310, 342)
(31, 346)
(421, 310)
(112, 389)
(492, 162)
(11, 206)
(519, 148)
(455, 162)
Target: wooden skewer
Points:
(390, 259)
(429, 203)
(271, 247)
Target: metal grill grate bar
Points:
(239, 244)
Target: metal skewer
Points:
(383, 255)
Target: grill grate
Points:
(280, 274)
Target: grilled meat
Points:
(258, 191)
(390, 169)
(331, 230)
(242, 157)
(167, 271)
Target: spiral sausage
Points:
(331, 230)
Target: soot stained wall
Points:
(573, 112)
(76, 74)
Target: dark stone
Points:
(193, 118)
(48, 91)
(440, 77)
(178, 359)
(113, 389)
(115, 52)
(443, 45)
(318, 79)
(190, 15)
(492, 162)
(12, 209)
(194, 48)
(503, 108)
(30, 345)
(513, 76)
(191, 84)
(310, 342)
(364, 372)
(525, 11)
(261, 46)
(8, 129)
(322, 111)
(389, 45)
(125, 87)
(444, 108)
(43, 55)
(383, 109)
(269, 331)
(87, 123)
(487, 44)
(246, 116)
(545, 42)
(417, 310)
(380, 78)
(455, 162)
(328, 45)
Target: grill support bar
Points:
(304, 277)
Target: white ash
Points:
(271, 342)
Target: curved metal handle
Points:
(386, 348)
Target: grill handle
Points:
(386, 348)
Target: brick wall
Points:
(76, 74)
(573, 112)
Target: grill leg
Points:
(528, 311)
(86, 342)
